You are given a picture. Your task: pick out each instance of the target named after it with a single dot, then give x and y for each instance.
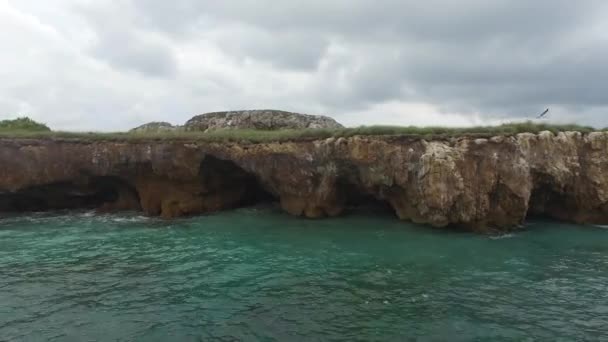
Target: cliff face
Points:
(473, 183)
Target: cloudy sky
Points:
(115, 64)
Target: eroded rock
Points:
(258, 119)
(156, 127)
(479, 185)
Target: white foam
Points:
(89, 213)
(503, 236)
(130, 219)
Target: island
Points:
(479, 178)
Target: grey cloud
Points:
(393, 19)
(125, 46)
(495, 59)
(124, 50)
(576, 77)
(369, 78)
(500, 57)
(294, 50)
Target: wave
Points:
(503, 236)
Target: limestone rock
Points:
(479, 185)
(258, 119)
(155, 127)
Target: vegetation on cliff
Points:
(251, 135)
(23, 124)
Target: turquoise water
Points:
(257, 274)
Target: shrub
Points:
(23, 124)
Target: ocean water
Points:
(259, 275)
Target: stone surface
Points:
(458, 182)
(156, 127)
(258, 119)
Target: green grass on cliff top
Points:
(307, 134)
(23, 124)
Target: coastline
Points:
(480, 184)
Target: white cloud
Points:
(415, 114)
(112, 65)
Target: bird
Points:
(543, 114)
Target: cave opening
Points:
(238, 187)
(357, 200)
(103, 193)
(546, 202)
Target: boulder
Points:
(258, 119)
(155, 127)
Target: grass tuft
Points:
(258, 136)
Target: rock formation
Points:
(478, 184)
(258, 119)
(156, 127)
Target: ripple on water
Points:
(258, 274)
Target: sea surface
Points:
(259, 275)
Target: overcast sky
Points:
(115, 64)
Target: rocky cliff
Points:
(267, 119)
(258, 119)
(477, 184)
(156, 127)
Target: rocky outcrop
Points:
(258, 119)
(478, 184)
(156, 127)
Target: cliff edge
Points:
(478, 184)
